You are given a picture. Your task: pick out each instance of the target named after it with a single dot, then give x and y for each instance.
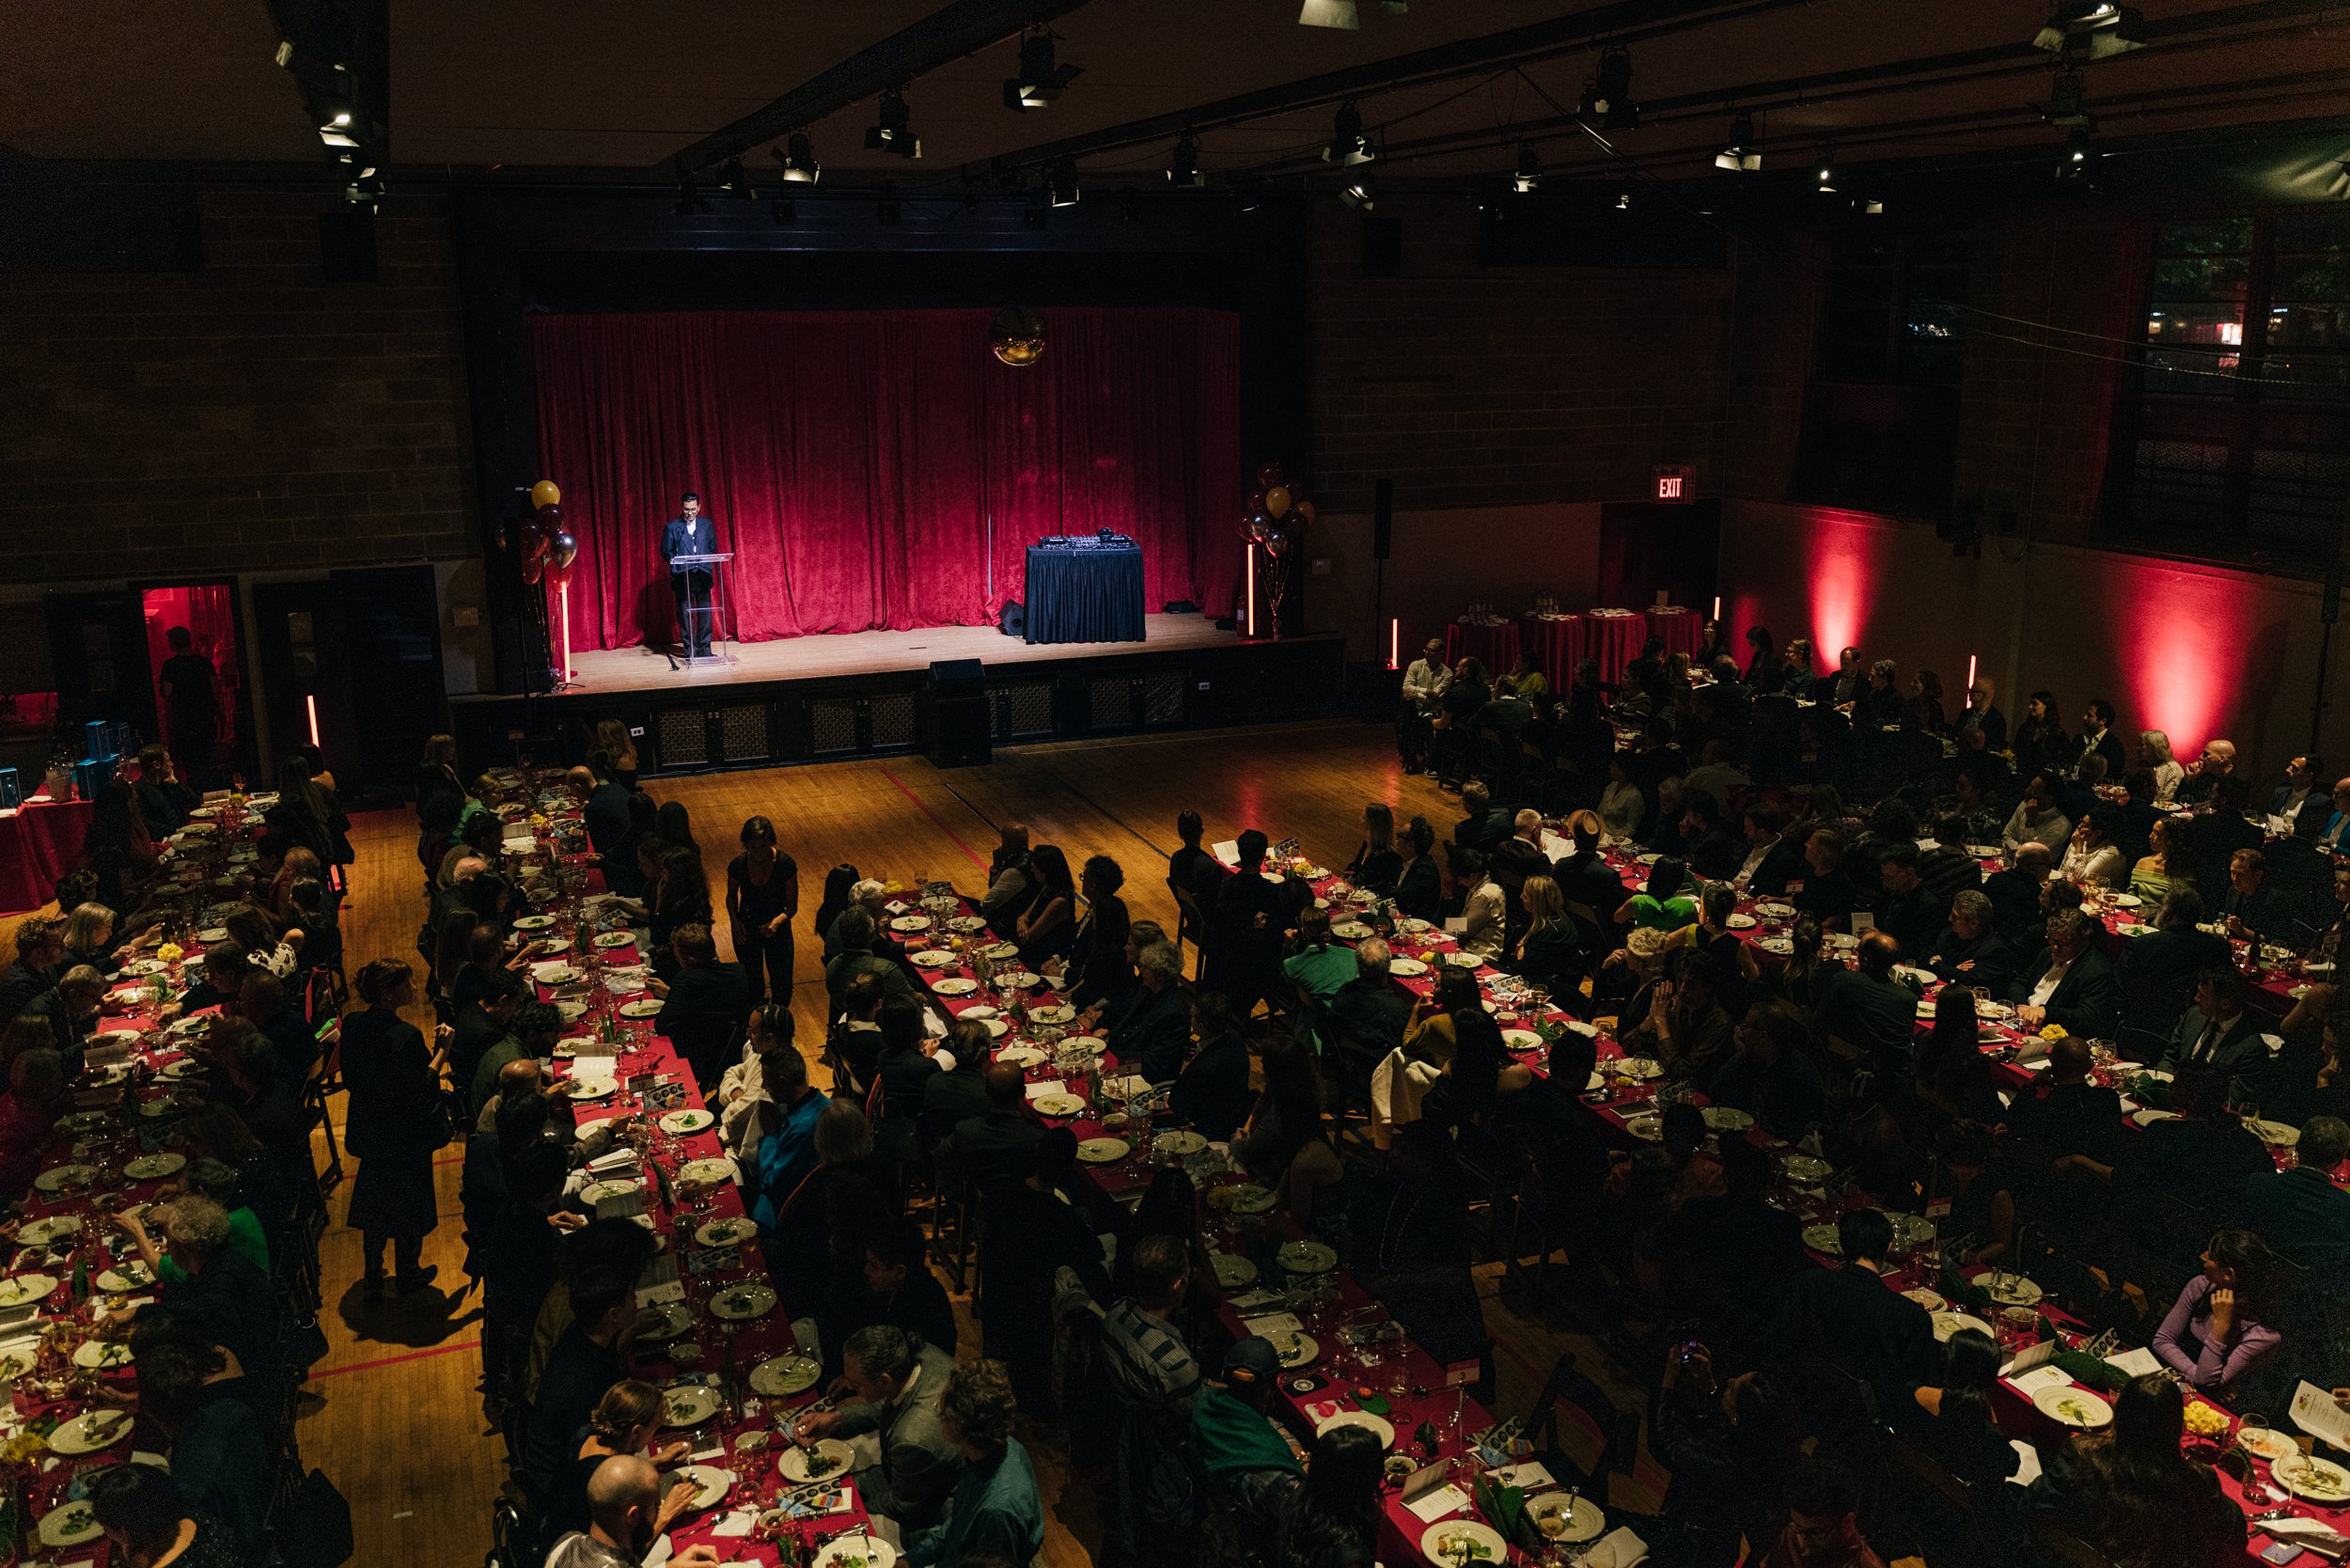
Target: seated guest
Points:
(1970, 951)
(1981, 716)
(1484, 908)
(2091, 857)
(1565, 1137)
(994, 1508)
(224, 968)
(2200, 777)
(1407, 1244)
(37, 1097)
(2158, 971)
(1773, 1076)
(1685, 1027)
(1723, 1251)
(898, 1386)
(1155, 1035)
(1483, 824)
(1772, 858)
(1663, 904)
(1904, 909)
(1287, 1146)
(535, 1028)
(223, 1291)
(1377, 864)
(2164, 866)
(163, 801)
(625, 1504)
(1621, 806)
(2072, 985)
(1713, 853)
(1011, 884)
(900, 1289)
(1048, 926)
(1734, 962)
(2200, 1155)
(482, 1021)
(1369, 1007)
(40, 959)
(1981, 1225)
(2301, 1213)
(1959, 1435)
(2037, 820)
(1429, 1036)
(1419, 885)
(2217, 1033)
(90, 937)
(587, 1357)
(150, 1520)
(1866, 1007)
(2068, 1116)
(1822, 1529)
(218, 1454)
(1583, 876)
(789, 1153)
(1096, 966)
(1550, 954)
(1318, 966)
(953, 1096)
(2251, 905)
(72, 1010)
(1828, 894)
(627, 1421)
(2015, 894)
(703, 1007)
(2213, 1333)
(1033, 1230)
(1730, 1445)
(997, 1149)
(1857, 1321)
(1212, 1094)
(2133, 1494)
(858, 932)
(1520, 856)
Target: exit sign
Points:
(1672, 482)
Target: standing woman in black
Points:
(763, 896)
(395, 1126)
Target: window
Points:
(1880, 420)
(2234, 439)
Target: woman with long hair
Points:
(676, 826)
(1952, 1079)
(2215, 1331)
(2162, 867)
(1961, 1435)
(620, 752)
(1480, 1072)
(1551, 954)
(1763, 661)
(1288, 1142)
(763, 896)
(117, 849)
(840, 892)
(1377, 864)
(2134, 1495)
(1921, 710)
(396, 1123)
(1047, 926)
(437, 775)
(1332, 1518)
(89, 936)
(2040, 739)
(683, 900)
(2154, 756)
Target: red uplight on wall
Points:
(1395, 644)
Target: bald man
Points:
(624, 1502)
(998, 1148)
(2217, 763)
(520, 1076)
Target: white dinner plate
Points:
(828, 1458)
(1375, 1425)
(955, 985)
(581, 1089)
(132, 1273)
(2313, 1480)
(91, 1431)
(933, 958)
(1727, 1119)
(101, 1354)
(22, 1288)
(688, 1404)
(1296, 1348)
(1232, 1271)
(40, 1233)
(1576, 1518)
(153, 1168)
(856, 1551)
(685, 1123)
(741, 1303)
(1406, 968)
(781, 1377)
(1104, 1150)
(726, 1232)
(2073, 1406)
(645, 1007)
(69, 1524)
(710, 1484)
(1059, 1105)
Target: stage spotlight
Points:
(1823, 171)
(1348, 145)
(1529, 177)
(1874, 206)
(689, 200)
(1343, 14)
(732, 182)
(798, 158)
(1039, 211)
(1607, 96)
(1624, 201)
(887, 214)
(2080, 153)
(1041, 82)
(1060, 182)
(1356, 193)
(2065, 105)
(2108, 28)
(1741, 156)
(894, 131)
(784, 212)
(1183, 165)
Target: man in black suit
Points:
(2250, 904)
(1368, 1007)
(2158, 970)
(1828, 894)
(997, 1148)
(2098, 739)
(953, 1097)
(1154, 1039)
(1970, 950)
(2202, 1155)
(2301, 1213)
(705, 1006)
(2299, 789)
(2068, 1114)
(690, 534)
(1866, 1007)
(480, 1022)
(1482, 825)
(1583, 876)
(1981, 716)
(1714, 854)
(603, 802)
(2015, 894)
(1772, 860)
(1858, 1321)
(2072, 985)
(1244, 945)
(1905, 911)
(2213, 841)
(2216, 1033)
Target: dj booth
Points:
(1085, 588)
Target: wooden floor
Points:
(393, 1415)
(852, 653)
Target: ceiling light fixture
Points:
(1345, 15)
(1356, 193)
(1824, 170)
(1348, 145)
(2108, 29)
(1607, 96)
(1041, 82)
(2080, 153)
(1183, 165)
(798, 158)
(332, 137)
(1624, 201)
(2065, 103)
(1060, 182)
(1741, 155)
(1529, 177)
(894, 133)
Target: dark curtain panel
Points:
(857, 462)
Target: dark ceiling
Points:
(1446, 90)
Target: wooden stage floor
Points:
(856, 654)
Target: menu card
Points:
(2315, 1413)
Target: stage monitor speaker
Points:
(1013, 620)
(957, 677)
(1382, 518)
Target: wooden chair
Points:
(326, 1078)
(1618, 1429)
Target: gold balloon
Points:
(1277, 500)
(543, 494)
(1306, 510)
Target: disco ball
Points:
(1017, 335)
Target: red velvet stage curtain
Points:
(856, 460)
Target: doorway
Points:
(195, 668)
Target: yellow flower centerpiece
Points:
(171, 952)
(2052, 1032)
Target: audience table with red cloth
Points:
(1615, 639)
(701, 1219)
(1679, 626)
(1492, 644)
(1555, 644)
(39, 841)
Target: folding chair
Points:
(1619, 1430)
(326, 1078)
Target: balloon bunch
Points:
(546, 546)
(1274, 520)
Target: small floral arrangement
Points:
(171, 952)
(2052, 1032)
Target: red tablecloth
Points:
(38, 843)
(1679, 627)
(1614, 641)
(1495, 647)
(1555, 644)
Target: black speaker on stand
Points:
(955, 705)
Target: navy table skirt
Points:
(1090, 594)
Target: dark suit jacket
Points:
(2301, 1214)
(1992, 722)
(1419, 892)
(1994, 966)
(1828, 897)
(997, 1149)
(1861, 1324)
(699, 998)
(1914, 919)
(1372, 1012)
(2086, 1002)
(1716, 857)
(1151, 1039)
(680, 537)
(2238, 1051)
(1212, 1093)
(1877, 1016)
(2157, 973)
(2015, 902)
(1590, 882)
(950, 1099)
(2070, 1118)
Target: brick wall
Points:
(250, 416)
(1493, 387)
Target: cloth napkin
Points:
(1618, 1548)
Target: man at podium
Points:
(690, 534)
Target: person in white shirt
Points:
(746, 1110)
(1424, 683)
(2037, 820)
(2092, 859)
(2154, 756)
(1718, 776)
(1484, 909)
